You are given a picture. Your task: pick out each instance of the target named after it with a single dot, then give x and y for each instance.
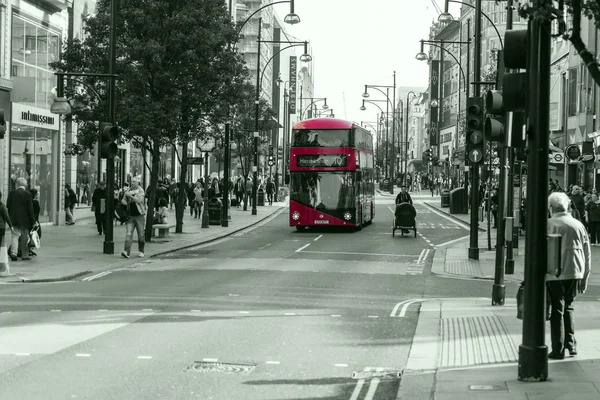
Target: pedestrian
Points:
(576, 262)
(592, 214)
(578, 202)
(270, 189)
(35, 196)
(72, 203)
(99, 205)
(4, 220)
(198, 199)
(20, 209)
(239, 192)
(134, 200)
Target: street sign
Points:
(475, 155)
(207, 145)
(195, 160)
(573, 152)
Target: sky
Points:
(358, 42)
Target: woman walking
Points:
(133, 199)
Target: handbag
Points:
(521, 303)
(4, 266)
(34, 240)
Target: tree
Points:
(175, 62)
(590, 9)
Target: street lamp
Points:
(305, 58)
(393, 103)
(422, 56)
(60, 106)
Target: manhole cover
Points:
(224, 368)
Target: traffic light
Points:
(512, 96)
(427, 155)
(2, 124)
(109, 135)
(474, 141)
(271, 161)
(270, 150)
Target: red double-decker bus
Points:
(331, 174)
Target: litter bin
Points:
(261, 198)
(215, 210)
(458, 201)
(385, 186)
(445, 198)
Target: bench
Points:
(163, 230)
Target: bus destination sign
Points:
(322, 160)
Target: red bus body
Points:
(331, 174)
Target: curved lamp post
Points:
(291, 18)
(304, 58)
(325, 106)
(446, 17)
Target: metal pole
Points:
(205, 208)
(467, 92)
(256, 116)
(227, 168)
(406, 136)
(285, 141)
(393, 163)
(109, 244)
(510, 188)
(474, 226)
(533, 352)
(387, 153)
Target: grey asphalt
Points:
(270, 313)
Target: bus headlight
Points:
(347, 216)
(296, 216)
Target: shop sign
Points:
(33, 116)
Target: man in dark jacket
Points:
(270, 187)
(20, 208)
(99, 203)
(403, 196)
(578, 202)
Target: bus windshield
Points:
(323, 190)
(321, 138)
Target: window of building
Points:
(572, 88)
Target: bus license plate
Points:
(321, 221)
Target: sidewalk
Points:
(68, 252)
(453, 261)
(466, 349)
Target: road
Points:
(270, 313)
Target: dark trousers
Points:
(594, 232)
(562, 324)
(100, 221)
(270, 198)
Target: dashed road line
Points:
(144, 357)
(335, 315)
(302, 248)
(273, 362)
(373, 316)
(290, 313)
(317, 238)
(234, 295)
(341, 365)
(265, 246)
(83, 355)
(54, 310)
(210, 359)
(102, 309)
(244, 312)
(22, 354)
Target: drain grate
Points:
(220, 367)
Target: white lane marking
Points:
(373, 316)
(54, 310)
(317, 238)
(147, 309)
(264, 247)
(359, 384)
(462, 225)
(83, 355)
(397, 306)
(335, 315)
(99, 275)
(244, 312)
(340, 365)
(290, 313)
(302, 248)
(406, 305)
(452, 241)
(22, 354)
(234, 295)
(210, 359)
(273, 362)
(357, 254)
(421, 256)
(144, 357)
(372, 389)
(195, 310)
(103, 309)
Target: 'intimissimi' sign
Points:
(33, 116)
